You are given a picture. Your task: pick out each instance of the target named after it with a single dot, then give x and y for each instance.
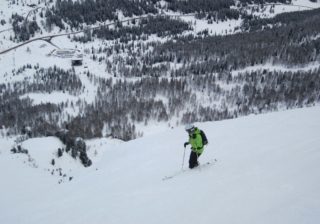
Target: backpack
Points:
(204, 138)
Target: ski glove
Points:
(186, 143)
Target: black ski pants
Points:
(193, 161)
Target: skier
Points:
(197, 140)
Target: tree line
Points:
(120, 105)
(76, 13)
(294, 44)
(162, 26)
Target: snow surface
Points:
(267, 172)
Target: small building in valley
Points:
(76, 61)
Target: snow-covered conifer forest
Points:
(170, 62)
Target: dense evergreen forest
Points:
(76, 13)
(122, 104)
(67, 14)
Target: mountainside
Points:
(124, 66)
(266, 172)
(94, 95)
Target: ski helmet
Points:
(189, 127)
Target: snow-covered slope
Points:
(267, 172)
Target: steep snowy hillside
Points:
(267, 172)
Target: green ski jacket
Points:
(196, 141)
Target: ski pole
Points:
(184, 153)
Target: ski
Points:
(185, 170)
(173, 175)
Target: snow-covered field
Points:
(267, 172)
